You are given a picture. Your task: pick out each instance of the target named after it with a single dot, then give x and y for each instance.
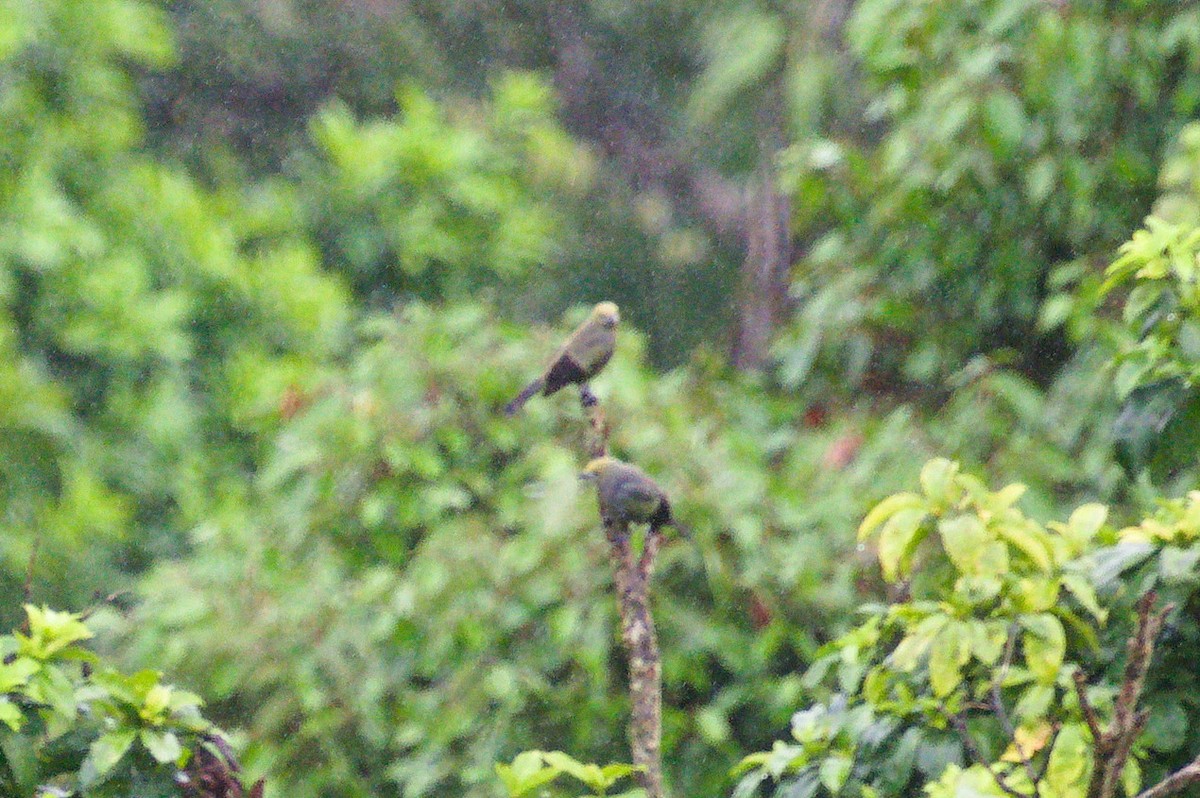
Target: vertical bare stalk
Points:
(631, 576)
(631, 579)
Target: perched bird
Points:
(580, 358)
(628, 495)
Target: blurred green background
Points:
(268, 268)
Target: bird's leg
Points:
(597, 444)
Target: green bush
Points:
(72, 725)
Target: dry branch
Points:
(1111, 746)
(631, 579)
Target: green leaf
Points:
(1178, 565)
(834, 771)
(617, 770)
(1034, 703)
(1070, 761)
(1166, 726)
(104, 753)
(10, 715)
(1028, 539)
(950, 652)
(1131, 778)
(914, 645)
(937, 479)
(986, 640)
(1108, 564)
(742, 48)
(886, 509)
(965, 539)
(589, 774)
(900, 536)
(163, 745)
(1085, 522)
(527, 772)
(1045, 646)
(1154, 425)
(1004, 120)
(1085, 594)
(17, 673)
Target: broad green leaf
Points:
(1004, 119)
(1029, 540)
(1085, 522)
(886, 509)
(104, 753)
(1070, 762)
(1166, 726)
(527, 772)
(1037, 594)
(163, 745)
(1131, 777)
(1085, 594)
(937, 479)
(1178, 565)
(10, 715)
(987, 640)
(900, 535)
(914, 645)
(834, 770)
(951, 650)
(1109, 563)
(965, 538)
(589, 774)
(17, 673)
(742, 47)
(1045, 645)
(617, 770)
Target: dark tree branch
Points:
(1111, 746)
(964, 734)
(1178, 781)
(597, 443)
(1085, 705)
(998, 703)
(631, 579)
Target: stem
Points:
(632, 581)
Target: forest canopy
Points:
(909, 333)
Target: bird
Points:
(585, 352)
(628, 495)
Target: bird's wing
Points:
(563, 371)
(639, 500)
(591, 346)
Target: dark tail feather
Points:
(524, 396)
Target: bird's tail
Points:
(524, 396)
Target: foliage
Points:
(1005, 141)
(143, 314)
(1159, 356)
(73, 725)
(413, 590)
(531, 770)
(421, 204)
(387, 587)
(972, 673)
(996, 602)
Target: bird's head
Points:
(592, 471)
(607, 314)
